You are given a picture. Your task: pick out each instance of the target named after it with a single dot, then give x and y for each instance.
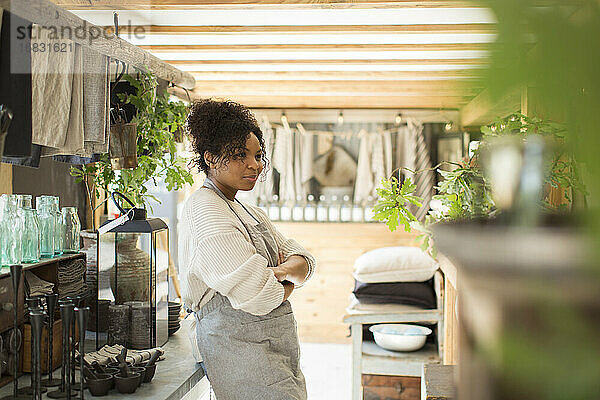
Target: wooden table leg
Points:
(356, 331)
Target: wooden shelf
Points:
(43, 262)
(379, 361)
(424, 316)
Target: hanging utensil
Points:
(6, 117)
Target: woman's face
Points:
(241, 171)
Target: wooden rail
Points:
(47, 14)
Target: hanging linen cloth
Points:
(283, 157)
(308, 158)
(363, 184)
(298, 187)
(303, 161)
(55, 78)
(377, 162)
(417, 157)
(96, 85)
(387, 151)
(264, 186)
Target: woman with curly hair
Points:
(237, 270)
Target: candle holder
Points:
(66, 315)
(82, 315)
(51, 300)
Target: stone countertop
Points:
(176, 375)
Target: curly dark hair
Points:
(221, 127)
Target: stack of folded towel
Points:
(109, 354)
(71, 278)
(393, 279)
(36, 286)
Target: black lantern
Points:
(132, 280)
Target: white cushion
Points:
(394, 264)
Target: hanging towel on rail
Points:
(74, 138)
(96, 94)
(363, 184)
(264, 187)
(308, 156)
(387, 152)
(52, 85)
(418, 159)
(377, 162)
(283, 156)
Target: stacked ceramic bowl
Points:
(174, 309)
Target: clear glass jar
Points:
(58, 228)
(47, 221)
(71, 227)
(30, 235)
(10, 247)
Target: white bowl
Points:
(400, 337)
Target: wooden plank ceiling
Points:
(313, 54)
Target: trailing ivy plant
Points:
(157, 119)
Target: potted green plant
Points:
(464, 191)
(157, 120)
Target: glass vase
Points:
(30, 236)
(47, 222)
(71, 228)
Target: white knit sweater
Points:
(216, 254)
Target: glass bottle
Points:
(310, 211)
(71, 228)
(346, 211)
(333, 211)
(298, 210)
(58, 227)
(47, 222)
(30, 235)
(24, 201)
(274, 210)
(321, 210)
(10, 251)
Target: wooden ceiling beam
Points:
(474, 61)
(408, 88)
(254, 4)
(331, 29)
(320, 47)
(467, 76)
(397, 102)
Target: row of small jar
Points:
(29, 234)
(320, 211)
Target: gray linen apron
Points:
(250, 356)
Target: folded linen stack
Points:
(393, 279)
(109, 354)
(36, 286)
(71, 278)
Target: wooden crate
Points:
(386, 387)
(56, 348)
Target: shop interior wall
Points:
(51, 178)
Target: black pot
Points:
(127, 384)
(150, 371)
(100, 386)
